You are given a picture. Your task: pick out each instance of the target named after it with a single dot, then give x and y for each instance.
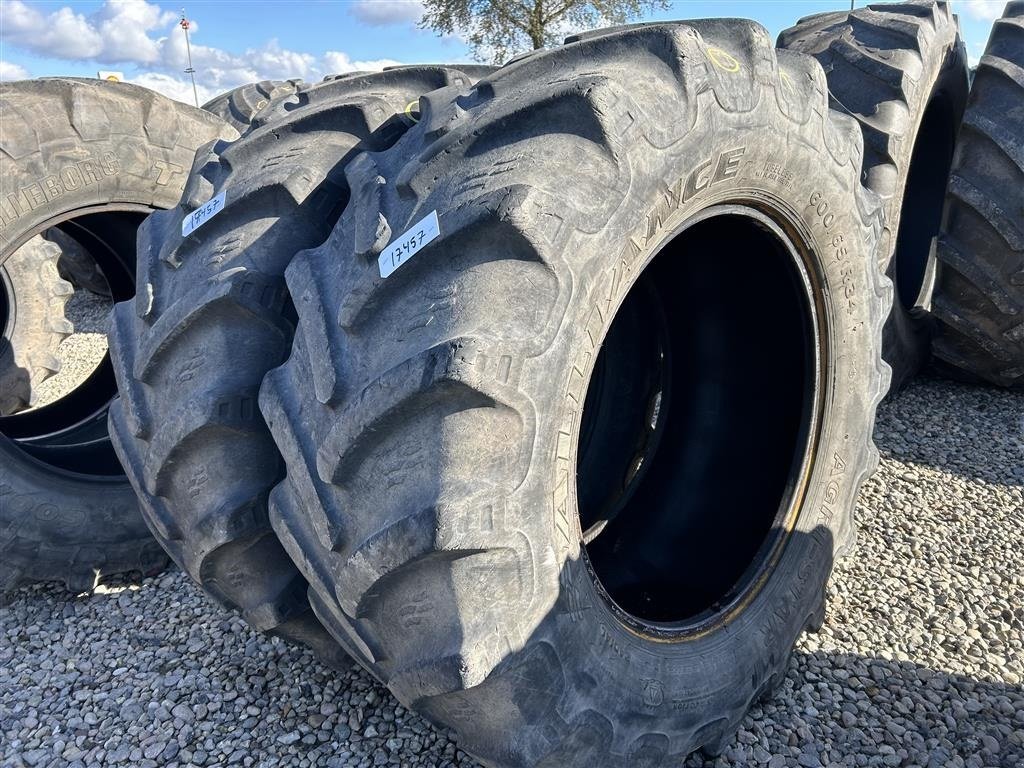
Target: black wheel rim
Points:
(725, 310)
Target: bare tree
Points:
(497, 28)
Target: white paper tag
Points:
(202, 214)
(408, 243)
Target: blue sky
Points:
(235, 42)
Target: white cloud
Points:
(116, 33)
(218, 71)
(271, 57)
(179, 88)
(984, 10)
(381, 13)
(143, 37)
(338, 63)
(974, 52)
(11, 71)
(62, 34)
(213, 81)
(123, 26)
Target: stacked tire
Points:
(212, 315)
(425, 364)
(547, 410)
(950, 172)
(240, 106)
(979, 303)
(36, 326)
(83, 162)
(901, 70)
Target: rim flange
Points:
(788, 235)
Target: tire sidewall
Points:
(74, 147)
(51, 506)
(131, 177)
(77, 168)
(41, 504)
(604, 666)
(124, 176)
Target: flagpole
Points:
(188, 50)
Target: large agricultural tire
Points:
(32, 322)
(254, 104)
(430, 420)
(979, 298)
(901, 70)
(240, 106)
(474, 71)
(91, 158)
(212, 316)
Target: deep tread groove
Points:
(132, 148)
(979, 301)
(28, 354)
(886, 63)
(242, 106)
(388, 534)
(213, 316)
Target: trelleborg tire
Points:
(32, 322)
(212, 316)
(901, 70)
(91, 158)
(979, 297)
(437, 423)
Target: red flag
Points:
(184, 23)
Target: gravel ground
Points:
(83, 350)
(920, 661)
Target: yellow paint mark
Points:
(723, 60)
(409, 109)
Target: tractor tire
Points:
(91, 158)
(979, 299)
(212, 316)
(474, 71)
(901, 70)
(431, 421)
(240, 106)
(253, 105)
(32, 322)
